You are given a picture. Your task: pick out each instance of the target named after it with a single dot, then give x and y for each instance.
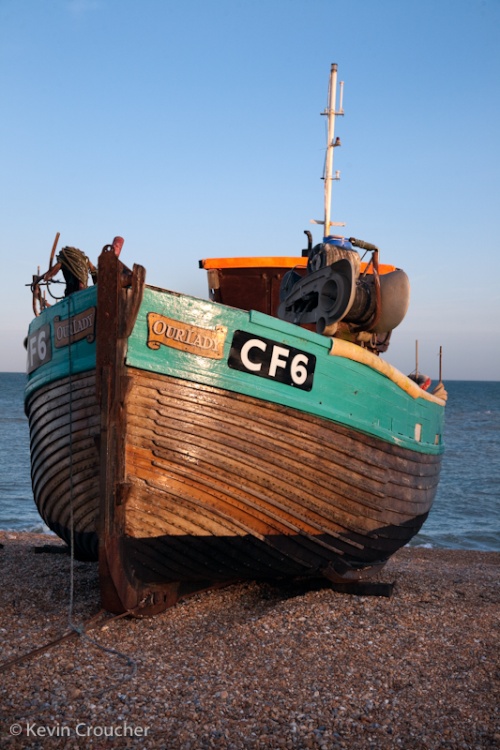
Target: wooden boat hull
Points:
(253, 505)
(190, 463)
(64, 433)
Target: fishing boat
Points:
(186, 443)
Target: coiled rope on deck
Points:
(75, 261)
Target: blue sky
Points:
(193, 130)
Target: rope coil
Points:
(76, 262)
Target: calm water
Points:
(466, 513)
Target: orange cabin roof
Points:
(271, 261)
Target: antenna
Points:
(331, 144)
(330, 112)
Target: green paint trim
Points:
(344, 391)
(79, 357)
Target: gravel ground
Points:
(253, 665)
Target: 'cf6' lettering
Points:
(270, 359)
(279, 359)
(39, 349)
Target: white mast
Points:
(328, 177)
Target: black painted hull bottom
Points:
(157, 560)
(165, 559)
(85, 544)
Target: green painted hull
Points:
(344, 391)
(48, 359)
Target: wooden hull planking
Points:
(64, 434)
(211, 491)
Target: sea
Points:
(466, 511)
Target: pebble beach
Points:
(252, 665)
